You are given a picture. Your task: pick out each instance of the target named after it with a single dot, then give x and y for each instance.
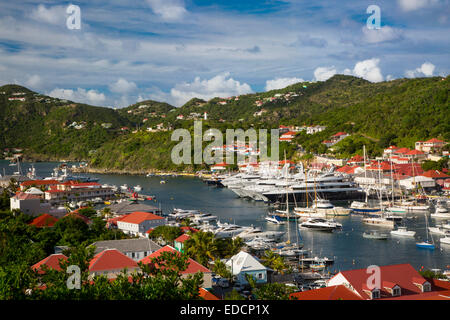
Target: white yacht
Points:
(403, 232)
(320, 224)
(445, 240)
(124, 187)
(137, 188)
(203, 217)
(274, 219)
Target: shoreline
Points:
(133, 172)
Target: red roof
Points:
(339, 134)
(52, 262)
(80, 184)
(434, 140)
(187, 229)
(39, 182)
(44, 220)
(402, 150)
(435, 174)
(26, 196)
(111, 259)
(139, 217)
(328, 293)
(205, 294)
(414, 152)
(182, 238)
(404, 275)
(192, 268)
(76, 214)
(348, 169)
(356, 158)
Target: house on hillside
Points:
(192, 268)
(135, 249)
(243, 263)
(138, 223)
(396, 282)
(111, 263)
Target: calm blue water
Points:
(348, 247)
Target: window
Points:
(375, 294)
(426, 287)
(396, 292)
(260, 275)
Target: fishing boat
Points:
(403, 232)
(274, 219)
(427, 244)
(375, 235)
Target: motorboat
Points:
(393, 217)
(438, 230)
(124, 187)
(137, 188)
(275, 219)
(375, 235)
(203, 217)
(445, 240)
(403, 232)
(441, 212)
(320, 224)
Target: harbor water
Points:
(348, 247)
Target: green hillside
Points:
(376, 114)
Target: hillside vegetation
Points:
(376, 114)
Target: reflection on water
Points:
(348, 247)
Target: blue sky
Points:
(173, 50)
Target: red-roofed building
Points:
(401, 151)
(350, 169)
(111, 262)
(37, 183)
(401, 282)
(339, 292)
(52, 262)
(188, 229)
(138, 223)
(389, 150)
(356, 160)
(44, 220)
(76, 191)
(437, 176)
(430, 146)
(76, 214)
(193, 266)
(179, 242)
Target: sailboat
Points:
(426, 244)
(363, 207)
(380, 221)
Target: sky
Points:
(126, 51)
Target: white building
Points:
(138, 223)
(135, 249)
(413, 182)
(244, 263)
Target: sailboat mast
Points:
(392, 179)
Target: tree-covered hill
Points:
(393, 112)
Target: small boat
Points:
(403, 232)
(396, 209)
(317, 266)
(137, 188)
(445, 240)
(393, 217)
(162, 182)
(375, 235)
(274, 219)
(150, 175)
(363, 207)
(124, 187)
(441, 212)
(427, 244)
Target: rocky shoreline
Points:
(128, 171)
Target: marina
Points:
(184, 196)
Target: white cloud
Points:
(426, 69)
(383, 34)
(411, 5)
(221, 85)
(52, 15)
(369, 70)
(80, 95)
(280, 83)
(123, 86)
(34, 81)
(168, 9)
(324, 73)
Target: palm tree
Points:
(274, 261)
(201, 247)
